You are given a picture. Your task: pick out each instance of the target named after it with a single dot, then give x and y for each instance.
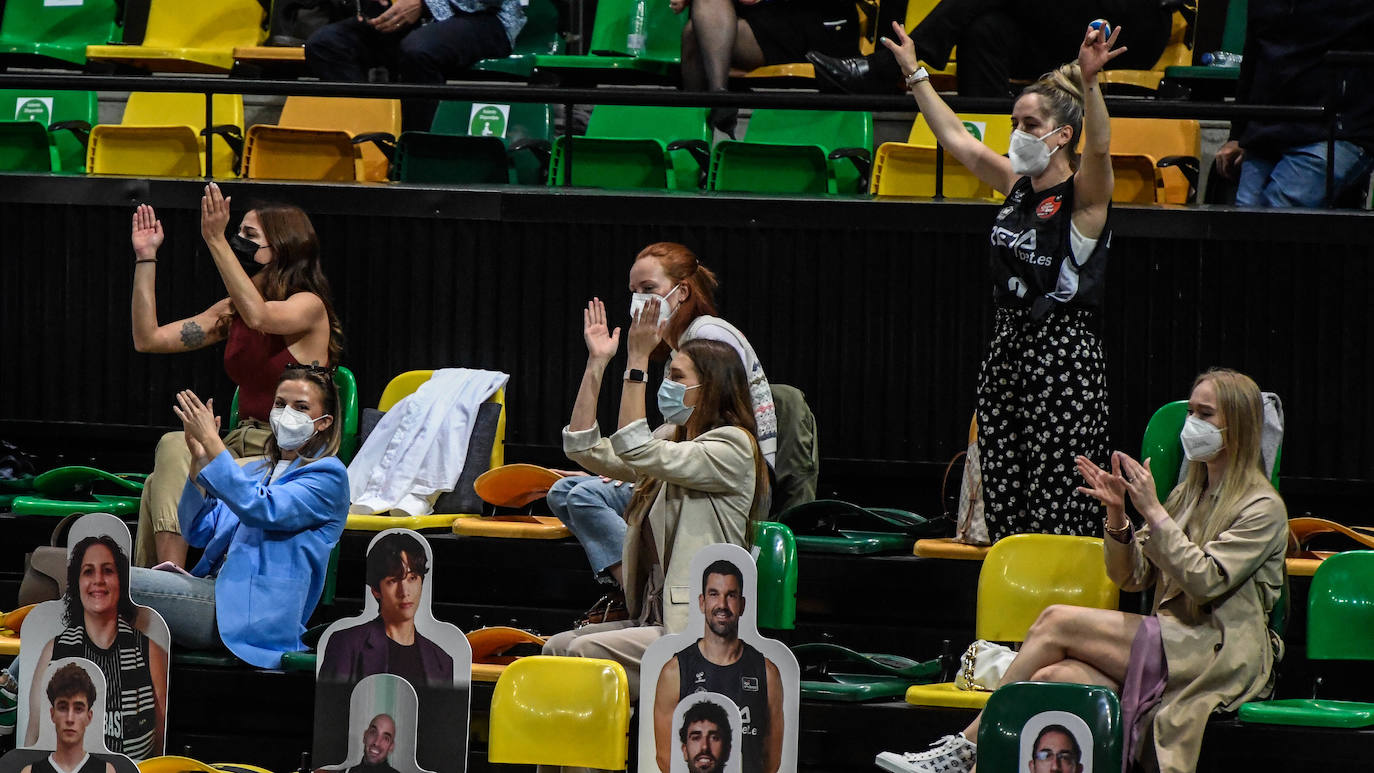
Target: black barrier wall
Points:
(878, 310)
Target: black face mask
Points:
(244, 250)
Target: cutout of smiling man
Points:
(706, 737)
(721, 662)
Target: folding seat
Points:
(797, 151)
(45, 131)
(164, 135)
(573, 712)
(478, 143)
(46, 34)
(1023, 574)
(1155, 160)
(539, 37)
(1013, 710)
(610, 60)
(190, 36)
(908, 168)
(325, 138)
(636, 147)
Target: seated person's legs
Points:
(1298, 178)
(186, 603)
(158, 537)
(624, 642)
(594, 511)
(439, 50)
(345, 50)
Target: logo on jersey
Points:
(749, 683)
(1046, 209)
(701, 677)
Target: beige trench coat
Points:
(1213, 604)
(705, 499)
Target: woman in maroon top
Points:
(278, 312)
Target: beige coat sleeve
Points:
(587, 448)
(1126, 565)
(716, 462)
(1212, 570)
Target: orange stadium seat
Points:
(325, 138)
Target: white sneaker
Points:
(951, 754)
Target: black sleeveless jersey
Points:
(130, 701)
(745, 682)
(92, 765)
(1032, 264)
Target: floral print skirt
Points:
(1042, 400)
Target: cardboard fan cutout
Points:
(71, 724)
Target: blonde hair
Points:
(1061, 92)
(1242, 410)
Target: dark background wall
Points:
(878, 310)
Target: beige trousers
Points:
(623, 641)
(157, 508)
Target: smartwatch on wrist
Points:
(635, 374)
(917, 75)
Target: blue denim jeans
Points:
(594, 511)
(186, 603)
(1298, 178)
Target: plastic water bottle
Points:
(1220, 59)
(634, 41)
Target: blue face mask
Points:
(670, 394)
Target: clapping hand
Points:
(1140, 484)
(147, 233)
(1109, 488)
(214, 213)
(602, 343)
(1095, 52)
(201, 426)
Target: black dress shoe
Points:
(852, 76)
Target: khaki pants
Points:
(157, 510)
(623, 641)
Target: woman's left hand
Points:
(1095, 52)
(644, 333)
(214, 213)
(1140, 485)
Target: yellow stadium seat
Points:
(1023, 574)
(184, 36)
(161, 136)
(1155, 160)
(908, 168)
(549, 710)
(398, 388)
(1178, 52)
(325, 138)
(172, 763)
(9, 643)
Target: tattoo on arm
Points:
(192, 336)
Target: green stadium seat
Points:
(777, 575)
(1199, 77)
(46, 34)
(45, 131)
(610, 58)
(63, 491)
(539, 37)
(797, 151)
(494, 144)
(637, 147)
(190, 36)
(1015, 706)
(1165, 452)
(1340, 626)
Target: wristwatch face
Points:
(635, 374)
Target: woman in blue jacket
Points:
(267, 529)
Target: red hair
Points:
(682, 267)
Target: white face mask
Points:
(1029, 154)
(292, 427)
(637, 301)
(1201, 440)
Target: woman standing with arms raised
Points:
(1042, 393)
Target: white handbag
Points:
(982, 666)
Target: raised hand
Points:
(1140, 484)
(902, 48)
(147, 232)
(214, 213)
(1095, 52)
(644, 332)
(201, 425)
(1109, 488)
(602, 343)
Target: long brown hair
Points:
(325, 443)
(295, 266)
(724, 402)
(682, 267)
